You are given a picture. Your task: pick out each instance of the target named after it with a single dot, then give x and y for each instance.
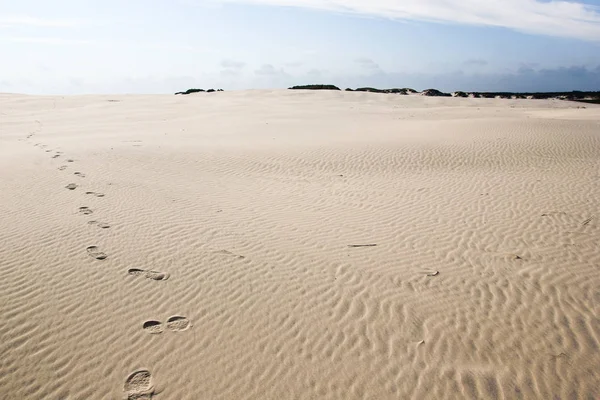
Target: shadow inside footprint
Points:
(139, 385)
(71, 186)
(99, 224)
(157, 276)
(79, 174)
(62, 167)
(85, 211)
(178, 323)
(94, 252)
(95, 194)
(153, 327)
(154, 275)
(135, 271)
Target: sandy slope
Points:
(484, 284)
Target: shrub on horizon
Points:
(315, 87)
(191, 91)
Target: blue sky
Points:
(162, 46)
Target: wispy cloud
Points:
(232, 64)
(232, 68)
(44, 40)
(269, 71)
(367, 63)
(555, 18)
(522, 79)
(24, 20)
(478, 62)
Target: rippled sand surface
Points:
(298, 245)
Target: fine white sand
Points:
(198, 247)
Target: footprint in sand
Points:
(62, 167)
(175, 323)
(79, 174)
(99, 224)
(85, 211)
(56, 156)
(178, 323)
(71, 186)
(157, 276)
(139, 385)
(70, 160)
(95, 194)
(94, 252)
(153, 327)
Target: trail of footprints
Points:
(139, 385)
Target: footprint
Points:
(71, 186)
(153, 327)
(99, 224)
(139, 385)
(178, 323)
(85, 211)
(56, 156)
(157, 276)
(95, 194)
(70, 160)
(95, 252)
(62, 167)
(175, 323)
(79, 174)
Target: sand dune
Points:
(298, 245)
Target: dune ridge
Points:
(298, 245)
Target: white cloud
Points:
(44, 40)
(294, 64)
(477, 62)
(24, 20)
(555, 18)
(266, 69)
(367, 63)
(232, 64)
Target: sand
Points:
(298, 245)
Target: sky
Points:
(164, 46)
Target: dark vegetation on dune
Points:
(390, 91)
(434, 93)
(189, 91)
(586, 97)
(590, 101)
(316, 87)
(573, 96)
